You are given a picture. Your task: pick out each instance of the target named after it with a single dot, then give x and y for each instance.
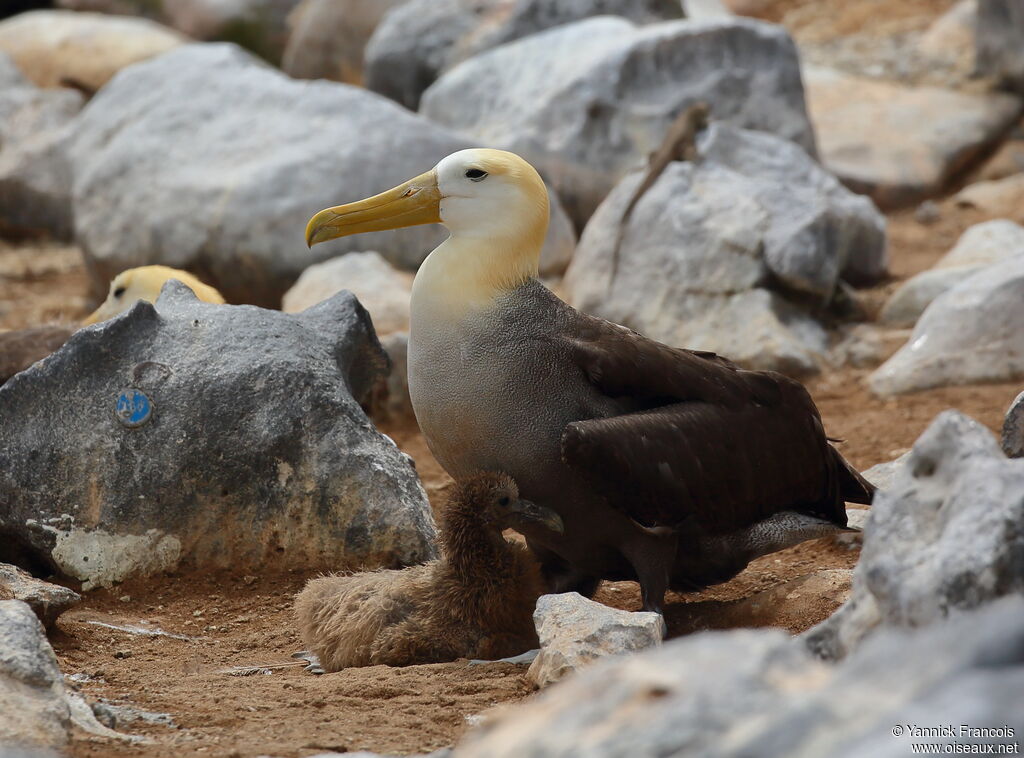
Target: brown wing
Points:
(20, 348)
(704, 440)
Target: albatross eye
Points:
(119, 291)
(476, 174)
(504, 501)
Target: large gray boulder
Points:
(712, 251)
(969, 334)
(756, 693)
(945, 534)
(229, 196)
(587, 102)
(979, 246)
(415, 43)
(999, 41)
(35, 179)
(900, 144)
(255, 452)
(328, 37)
(33, 711)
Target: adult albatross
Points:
(671, 467)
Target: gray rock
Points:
(943, 535)
(398, 404)
(712, 250)
(985, 243)
(905, 306)
(328, 37)
(1013, 429)
(588, 101)
(382, 289)
(418, 41)
(967, 335)
(209, 198)
(756, 693)
(254, 428)
(882, 475)
(33, 710)
(980, 245)
(55, 48)
(46, 600)
(999, 42)
(35, 179)
(899, 144)
(574, 632)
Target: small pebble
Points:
(125, 598)
(123, 654)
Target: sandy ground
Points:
(224, 621)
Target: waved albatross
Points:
(671, 467)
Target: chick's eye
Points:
(119, 291)
(475, 174)
(504, 501)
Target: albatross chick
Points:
(668, 466)
(476, 601)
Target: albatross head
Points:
(145, 283)
(493, 202)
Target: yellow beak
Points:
(418, 201)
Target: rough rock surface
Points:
(415, 43)
(1013, 429)
(575, 631)
(256, 452)
(882, 475)
(944, 535)
(756, 693)
(33, 711)
(713, 248)
(209, 198)
(898, 144)
(381, 288)
(398, 403)
(57, 48)
(35, 180)
(980, 245)
(328, 37)
(999, 41)
(967, 335)
(46, 600)
(617, 90)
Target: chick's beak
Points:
(531, 513)
(417, 201)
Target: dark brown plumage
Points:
(20, 348)
(476, 601)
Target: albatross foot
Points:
(312, 661)
(523, 659)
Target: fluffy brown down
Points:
(476, 601)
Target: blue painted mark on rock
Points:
(133, 408)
